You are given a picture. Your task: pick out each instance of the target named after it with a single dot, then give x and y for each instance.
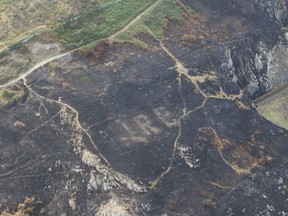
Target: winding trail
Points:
(184, 71)
(180, 69)
(73, 110)
(38, 65)
(135, 19)
(46, 61)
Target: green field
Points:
(276, 111)
(154, 21)
(8, 96)
(99, 22)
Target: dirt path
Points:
(38, 65)
(184, 71)
(42, 63)
(135, 20)
(76, 119)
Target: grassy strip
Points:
(86, 25)
(154, 21)
(91, 23)
(5, 2)
(99, 22)
(276, 111)
(8, 96)
(84, 22)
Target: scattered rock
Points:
(19, 124)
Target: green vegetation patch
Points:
(73, 24)
(154, 21)
(8, 96)
(4, 53)
(276, 111)
(12, 64)
(70, 24)
(100, 21)
(3, 3)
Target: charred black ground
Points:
(137, 131)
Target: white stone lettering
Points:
(142, 127)
(125, 126)
(145, 124)
(165, 116)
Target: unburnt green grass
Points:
(154, 21)
(276, 111)
(79, 23)
(73, 24)
(8, 96)
(100, 22)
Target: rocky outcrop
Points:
(274, 9)
(260, 64)
(257, 68)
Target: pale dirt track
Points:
(46, 61)
(38, 65)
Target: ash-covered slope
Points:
(260, 65)
(160, 126)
